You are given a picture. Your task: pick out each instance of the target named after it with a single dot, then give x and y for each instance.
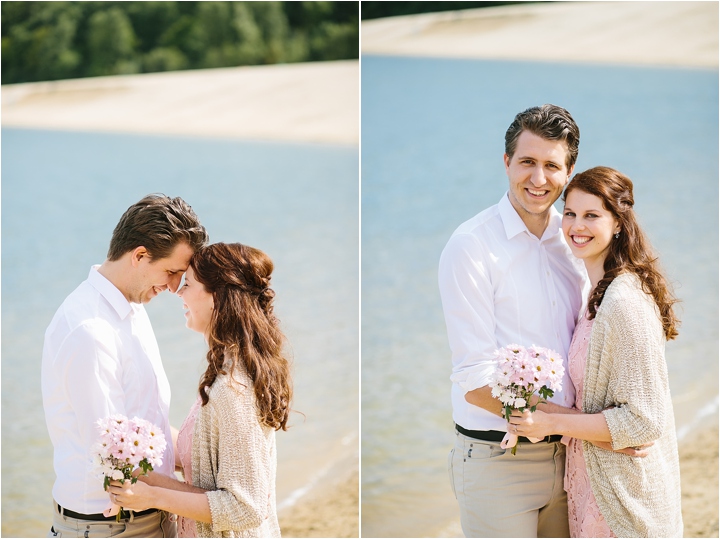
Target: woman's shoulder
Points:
(625, 300)
(625, 291)
(232, 385)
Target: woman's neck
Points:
(596, 271)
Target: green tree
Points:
(186, 36)
(273, 24)
(42, 47)
(334, 41)
(164, 59)
(250, 44)
(111, 43)
(65, 39)
(150, 20)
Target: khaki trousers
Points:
(154, 525)
(505, 495)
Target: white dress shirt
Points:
(502, 285)
(100, 358)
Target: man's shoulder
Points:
(473, 238)
(83, 311)
(480, 224)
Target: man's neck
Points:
(536, 223)
(112, 271)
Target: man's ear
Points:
(137, 255)
(570, 173)
(506, 160)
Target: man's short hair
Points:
(549, 122)
(158, 223)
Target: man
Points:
(100, 358)
(507, 276)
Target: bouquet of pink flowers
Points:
(520, 372)
(123, 446)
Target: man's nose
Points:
(174, 283)
(538, 177)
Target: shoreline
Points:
(327, 510)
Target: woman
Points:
(617, 364)
(227, 444)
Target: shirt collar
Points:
(514, 225)
(110, 292)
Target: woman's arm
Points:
(155, 479)
(141, 496)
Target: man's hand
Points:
(641, 451)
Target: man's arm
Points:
(468, 303)
(483, 398)
(92, 375)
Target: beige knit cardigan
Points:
(626, 369)
(234, 458)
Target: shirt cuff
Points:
(473, 378)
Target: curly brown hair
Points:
(243, 326)
(630, 251)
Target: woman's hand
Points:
(137, 497)
(535, 424)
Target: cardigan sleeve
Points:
(243, 459)
(634, 350)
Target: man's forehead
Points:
(179, 260)
(541, 148)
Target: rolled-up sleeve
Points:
(467, 299)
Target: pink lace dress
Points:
(186, 526)
(583, 511)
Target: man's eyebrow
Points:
(523, 157)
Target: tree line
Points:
(62, 40)
(375, 10)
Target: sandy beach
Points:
(330, 512)
(699, 477)
(310, 102)
(645, 33)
